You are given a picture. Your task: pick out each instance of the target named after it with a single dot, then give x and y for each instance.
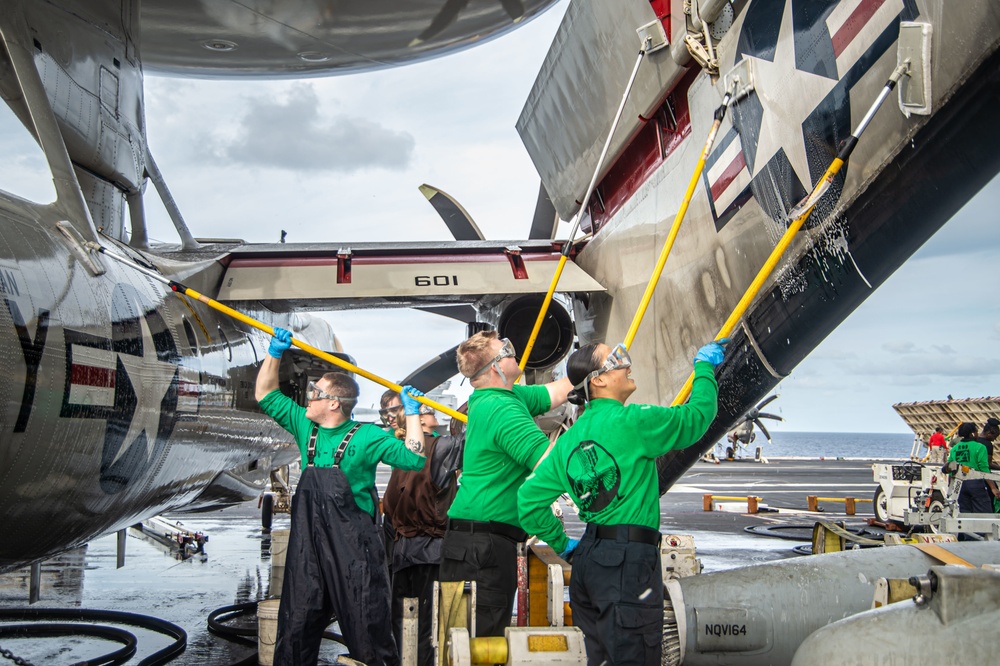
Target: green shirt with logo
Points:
(502, 445)
(369, 446)
(606, 461)
(971, 454)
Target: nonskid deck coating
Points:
(236, 567)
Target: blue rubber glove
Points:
(280, 342)
(410, 406)
(713, 352)
(573, 543)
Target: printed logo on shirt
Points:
(594, 476)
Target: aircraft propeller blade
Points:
(545, 220)
(775, 417)
(768, 400)
(459, 222)
(763, 430)
(434, 372)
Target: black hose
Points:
(225, 613)
(219, 616)
(147, 622)
(119, 656)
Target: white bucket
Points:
(279, 546)
(267, 630)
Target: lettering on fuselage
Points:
(726, 629)
(32, 352)
(8, 283)
(730, 630)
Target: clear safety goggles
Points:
(507, 351)
(616, 360)
(390, 412)
(316, 393)
(395, 412)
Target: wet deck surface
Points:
(236, 565)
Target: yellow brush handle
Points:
(541, 314)
(671, 237)
(319, 353)
(763, 274)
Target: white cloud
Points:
(297, 133)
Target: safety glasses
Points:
(507, 351)
(390, 412)
(616, 360)
(395, 412)
(316, 393)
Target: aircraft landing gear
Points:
(278, 500)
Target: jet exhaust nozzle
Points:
(555, 338)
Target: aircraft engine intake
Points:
(554, 339)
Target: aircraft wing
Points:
(335, 277)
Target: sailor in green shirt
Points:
(502, 446)
(335, 562)
(606, 463)
(975, 495)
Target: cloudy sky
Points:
(340, 160)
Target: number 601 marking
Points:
(436, 280)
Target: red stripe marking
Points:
(89, 375)
(852, 26)
(271, 262)
(728, 176)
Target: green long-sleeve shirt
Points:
(606, 461)
(502, 445)
(369, 446)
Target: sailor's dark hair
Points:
(967, 430)
(581, 363)
(388, 397)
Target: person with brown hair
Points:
(502, 446)
(416, 504)
(335, 563)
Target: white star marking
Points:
(150, 379)
(787, 95)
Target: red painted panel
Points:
(654, 143)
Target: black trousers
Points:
(335, 565)
(415, 581)
(616, 594)
(490, 560)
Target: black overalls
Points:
(335, 565)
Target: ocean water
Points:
(833, 445)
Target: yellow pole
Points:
(678, 219)
(583, 207)
(801, 213)
(541, 314)
(319, 353)
(261, 326)
(762, 276)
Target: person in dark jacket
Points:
(335, 563)
(416, 503)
